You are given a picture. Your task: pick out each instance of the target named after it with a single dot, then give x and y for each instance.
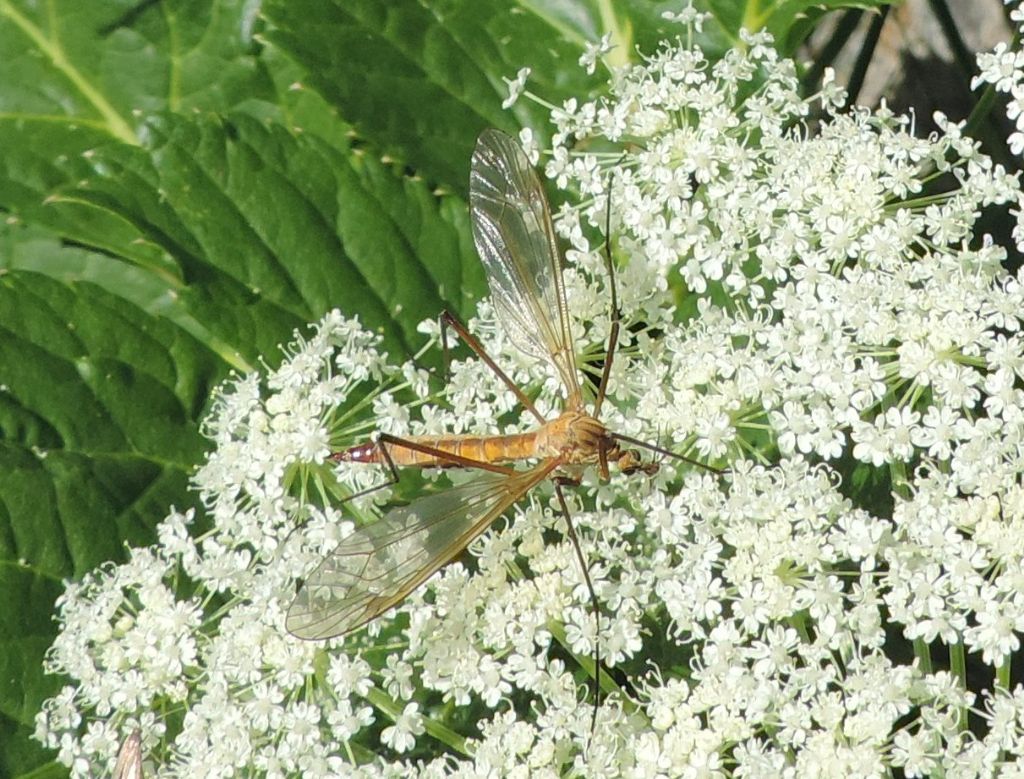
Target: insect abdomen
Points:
(488, 449)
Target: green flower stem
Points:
(608, 685)
(900, 482)
(393, 709)
(958, 665)
(923, 653)
(1003, 675)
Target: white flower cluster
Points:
(1003, 68)
(189, 631)
(855, 357)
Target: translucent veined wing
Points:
(377, 566)
(516, 242)
(129, 758)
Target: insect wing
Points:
(377, 566)
(129, 758)
(516, 242)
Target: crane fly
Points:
(379, 564)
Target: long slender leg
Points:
(595, 606)
(616, 314)
(602, 459)
(448, 319)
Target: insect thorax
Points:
(575, 437)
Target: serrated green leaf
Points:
(98, 414)
(67, 350)
(423, 81)
(296, 226)
(100, 62)
(253, 231)
(23, 688)
(394, 71)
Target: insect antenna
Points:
(595, 607)
(616, 314)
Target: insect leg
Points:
(448, 319)
(595, 606)
(616, 314)
(602, 459)
(339, 456)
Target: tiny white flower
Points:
(595, 51)
(516, 87)
(408, 725)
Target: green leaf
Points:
(397, 74)
(422, 81)
(274, 230)
(253, 231)
(98, 412)
(23, 688)
(102, 62)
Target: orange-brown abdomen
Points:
(428, 451)
(574, 438)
